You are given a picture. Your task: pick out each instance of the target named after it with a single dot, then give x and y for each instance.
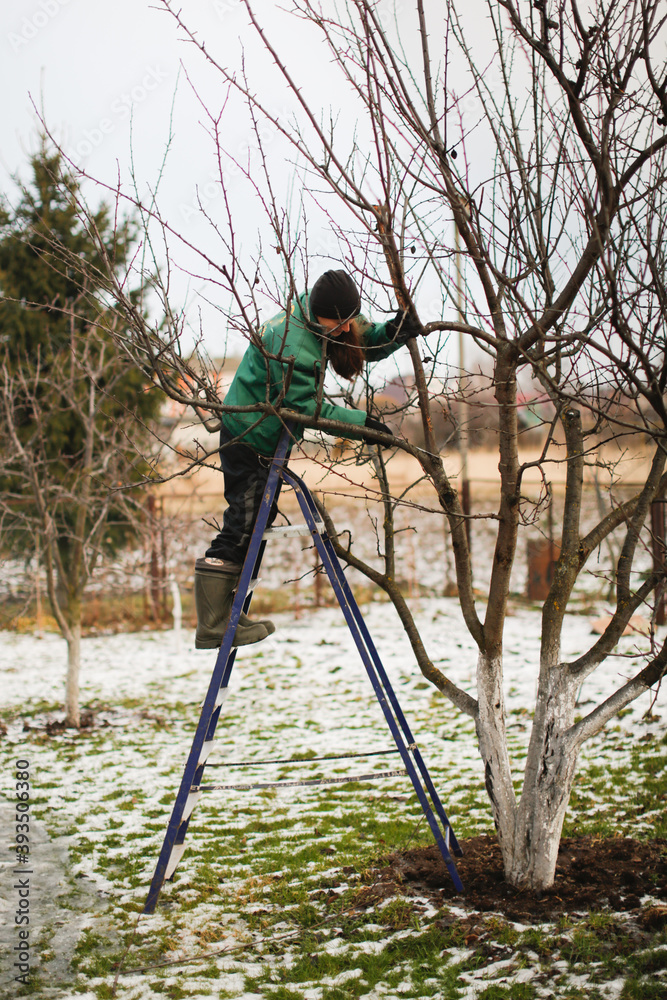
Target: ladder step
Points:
(289, 531)
(222, 695)
(205, 751)
(191, 801)
(175, 856)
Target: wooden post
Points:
(317, 581)
(465, 507)
(163, 559)
(177, 611)
(297, 581)
(154, 559)
(462, 410)
(659, 561)
(39, 618)
(542, 555)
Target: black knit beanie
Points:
(335, 296)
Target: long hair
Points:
(346, 353)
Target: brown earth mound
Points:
(591, 874)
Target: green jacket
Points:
(261, 379)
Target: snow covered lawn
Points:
(266, 887)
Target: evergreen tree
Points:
(75, 411)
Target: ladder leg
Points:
(383, 689)
(386, 683)
(299, 485)
(403, 722)
(186, 799)
(384, 692)
(172, 846)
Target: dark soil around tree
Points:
(591, 874)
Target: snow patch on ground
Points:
(302, 690)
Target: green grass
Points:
(270, 890)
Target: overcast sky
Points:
(112, 80)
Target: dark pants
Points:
(246, 473)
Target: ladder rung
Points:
(288, 531)
(175, 856)
(222, 695)
(205, 751)
(305, 760)
(191, 801)
(245, 786)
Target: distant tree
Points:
(73, 411)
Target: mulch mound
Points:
(591, 874)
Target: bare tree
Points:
(72, 407)
(550, 160)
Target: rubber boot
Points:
(223, 566)
(266, 622)
(214, 595)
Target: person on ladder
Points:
(323, 327)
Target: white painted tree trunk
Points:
(529, 831)
(550, 768)
(72, 714)
(492, 740)
(540, 819)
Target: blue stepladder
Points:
(191, 787)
